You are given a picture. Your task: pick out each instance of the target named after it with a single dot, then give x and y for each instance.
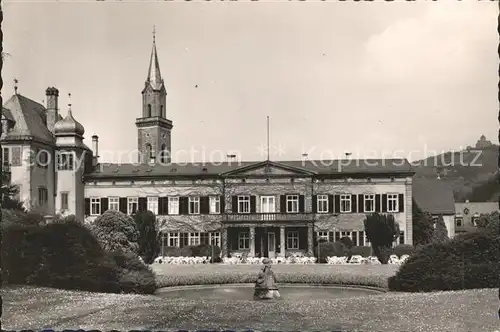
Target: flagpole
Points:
(268, 137)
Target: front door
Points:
(271, 245)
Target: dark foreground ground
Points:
(39, 308)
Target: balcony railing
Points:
(256, 217)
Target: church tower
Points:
(153, 128)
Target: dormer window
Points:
(149, 111)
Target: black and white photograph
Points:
(267, 165)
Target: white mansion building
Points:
(265, 208)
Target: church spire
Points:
(154, 75)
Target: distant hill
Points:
(472, 173)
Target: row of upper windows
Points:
(344, 203)
(12, 156)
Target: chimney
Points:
(52, 107)
(95, 149)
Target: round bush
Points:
(67, 255)
(116, 231)
(466, 262)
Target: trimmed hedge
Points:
(65, 254)
(466, 262)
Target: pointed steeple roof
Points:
(154, 75)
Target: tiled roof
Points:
(30, 119)
(434, 196)
(476, 207)
(365, 166)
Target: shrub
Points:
(362, 251)
(467, 261)
(66, 255)
(403, 249)
(116, 231)
(381, 230)
(177, 252)
(440, 232)
(330, 249)
(148, 235)
(423, 226)
(205, 250)
(347, 242)
(489, 221)
(134, 276)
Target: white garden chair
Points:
(394, 260)
(356, 259)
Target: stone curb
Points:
(284, 285)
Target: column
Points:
(252, 242)
(282, 241)
(310, 239)
(223, 242)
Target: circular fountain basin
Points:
(288, 292)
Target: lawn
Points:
(38, 308)
(365, 275)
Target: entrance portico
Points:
(267, 240)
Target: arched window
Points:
(162, 114)
(163, 154)
(149, 152)
(149, 111)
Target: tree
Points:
(423, 226)
(9, 197)
(440, 233)
(381, 230)
(489, 221)
(148, 235)
(116, 232)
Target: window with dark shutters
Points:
(87, 206)
(354, 200)
(361, 203)
(384, 203)
(377, 203)
(164, 205)
(235, 204)
(160, 205)
(401, 202)
(253, 204)
(222, 204)
(123, 205)
(204, 205)
(283, 203)
(330, 204)
(104, 204)
(337, 203)
(301, 204)
(183, 205)
(315, 203)
(143, 204)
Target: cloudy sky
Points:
(368, 78)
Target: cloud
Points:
(440, 46)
